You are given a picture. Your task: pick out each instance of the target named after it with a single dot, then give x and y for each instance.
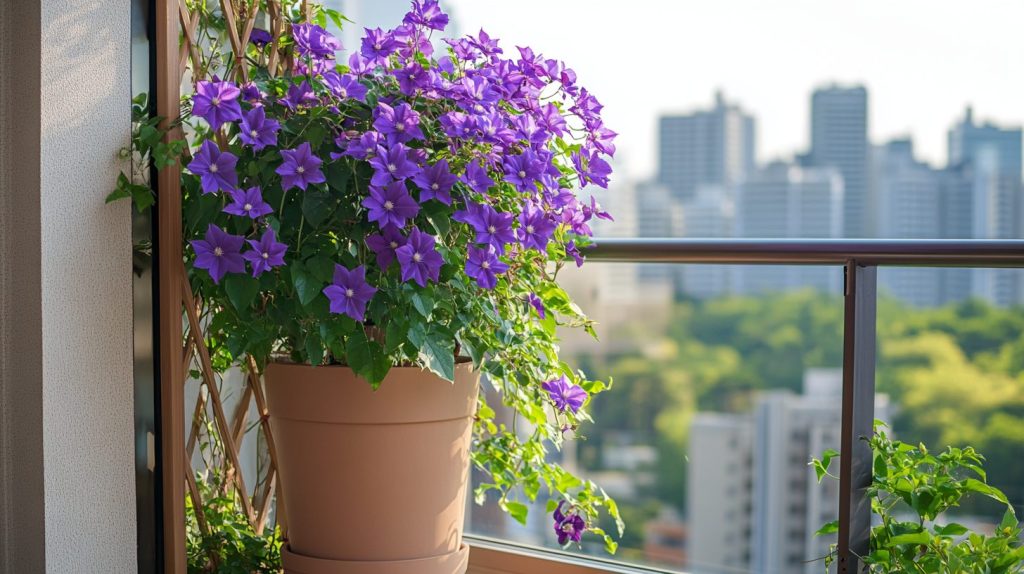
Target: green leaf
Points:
(437, 352)
(338, 176)
(317, 205)
(242, 290)
(821, 465)
(518, 511)
(829, 528)
(367, 358)
(1009, 519)
(423, 303)
(921, 537)
(321, 268)
(305, 285)
(395, 335)
(951, 529)
(314, 349)
(976, 485)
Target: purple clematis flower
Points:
(300, 96)
(217, 103)
(266, 253)
(571, 249)
(418, 258)
(411, 78)
(457, 124)
(314, 42)
(251, 93)
(219, 253)
(483, 265)
(349, 293)
(258, 131)
(392, 163)
(476, 178)
(568, 525)
(400, 123)
(360, 147)
(384, 245)
(492, 227)
(427, 13)
(537, 304)
(345, 86)
(390, 205)
(260, 37)
(435, 182)
(377, 44)
(523, 170)
(564, 394)
(248, 203)
(535, 228)
(300, 168)
(216, 169)
(591, 168)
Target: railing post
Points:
(858, 412)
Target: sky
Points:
(922, 61)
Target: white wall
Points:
(67, 451)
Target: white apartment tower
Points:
(753, 501)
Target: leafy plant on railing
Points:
(911, 490)
(231, 547)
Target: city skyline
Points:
(921, 72)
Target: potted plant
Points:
(377, 230)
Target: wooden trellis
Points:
(179, 52)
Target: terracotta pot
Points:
(373, 482)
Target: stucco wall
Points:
(66, 339)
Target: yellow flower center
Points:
(266, 255)
(216, 101)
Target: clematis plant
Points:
(404, 202)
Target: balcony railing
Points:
(860, 260)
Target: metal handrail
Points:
(860, 259)
(875, 252)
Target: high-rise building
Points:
(991, 156)
(657, 215)
(781, 201)
(909, 207)
(754, 504)
(839, 139)
(710, 214)
(706, 147)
